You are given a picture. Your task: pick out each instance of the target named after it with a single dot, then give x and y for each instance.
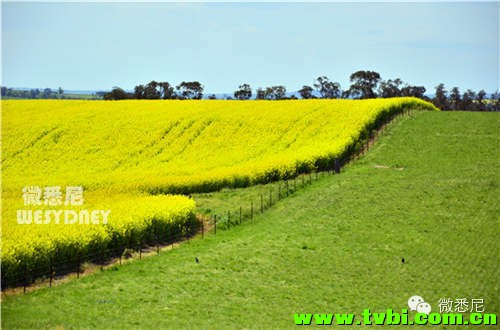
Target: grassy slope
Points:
(335, 246)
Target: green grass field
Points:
(428, 191)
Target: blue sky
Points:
(101, 45)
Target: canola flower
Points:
(133, 220)
(184, 146)
(120, 151)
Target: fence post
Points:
(25, 277)
(251, 211)
(51, 273)
(78, 265)
(215, 224)
(158, 245)
(337, 166)
(102, 258)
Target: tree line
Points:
(364, 84)
(190, 90)
(46, 93)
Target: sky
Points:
(98, 45)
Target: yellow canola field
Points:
(119, 151)
(177, 146)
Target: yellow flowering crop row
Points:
(132, 220)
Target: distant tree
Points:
(327, 89)
(455, 98)
(415, 91)
(440, 99)
(47, 92)
(268, 93)
(279, 92)
(35, 93)
(244, 92)
(481, 106)
(363, 84)
(151, 91)
(166, 91)
(494, 104)
(390, 88)
(260, 94)
(139, 92)
(60, 92)
(4, 91)
(117, 94)
(275, 92)
(467, 102)
(212, 97)
(306, 92)
(190, 90)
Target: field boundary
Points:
(80, 265)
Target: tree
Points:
(274, 92)
(481, 106)
(47, 92)
(244, 92)
(166, 91)
(139, 92)
(60, 92)
(455, 98)
(4, 91)
(212, 97)
(440, 99)
(35, 93)
(363, 84)
(415, 91)
(279, 92)
(494, 104)
(467, 102)
(151, 91)
(306, 92)
(190, 90)
(390, 88)
(261, 94)
(327, 89)
(117, 94)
